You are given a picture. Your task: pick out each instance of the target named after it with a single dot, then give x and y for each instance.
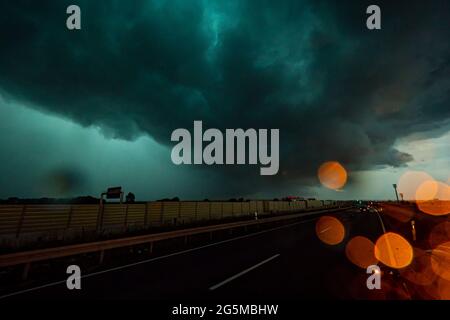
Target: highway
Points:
(285, 262)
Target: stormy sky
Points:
(84, 110)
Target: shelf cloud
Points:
(334, 89)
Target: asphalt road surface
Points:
(287, 262)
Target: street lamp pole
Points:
(396, 193)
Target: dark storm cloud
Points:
(336, 90)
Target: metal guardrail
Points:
(34, 220)
(28, 257)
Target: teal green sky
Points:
(84, 110)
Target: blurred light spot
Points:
(444, 289)
(419, 271)
(332, 175)
(64, 181)
(330, 230)
(402, 214)
(429, 292)
(360, 251)
(433, 197)
(393, 250)
(440, 260)
(438, 290)
(410, 181)
(427, 190)
(439, 234)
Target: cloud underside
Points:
(336, 90)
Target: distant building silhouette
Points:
(130, 198)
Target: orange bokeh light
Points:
(330, 230)
(440, 260)
(438, 290)
(332, 175)
(433, 197)
(360, 251)
(393, 250)
(400, 213)
(427, 190)
(444, 289)
(410, 181)
(419, 271)
(439, 234)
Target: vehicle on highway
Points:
(363, 208)
(378, 207)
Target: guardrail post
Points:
(146, 215)
(101, 211)
(22, 217)
(209, 213)
(413, 230)
(126, 217)
(102, 257)
(161, 219)
(150, 250)
(69, 219)
(26, 271)
(196, 209)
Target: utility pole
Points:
(396, 193)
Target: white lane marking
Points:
(381, 220)
(242, 273)
(155, 259)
